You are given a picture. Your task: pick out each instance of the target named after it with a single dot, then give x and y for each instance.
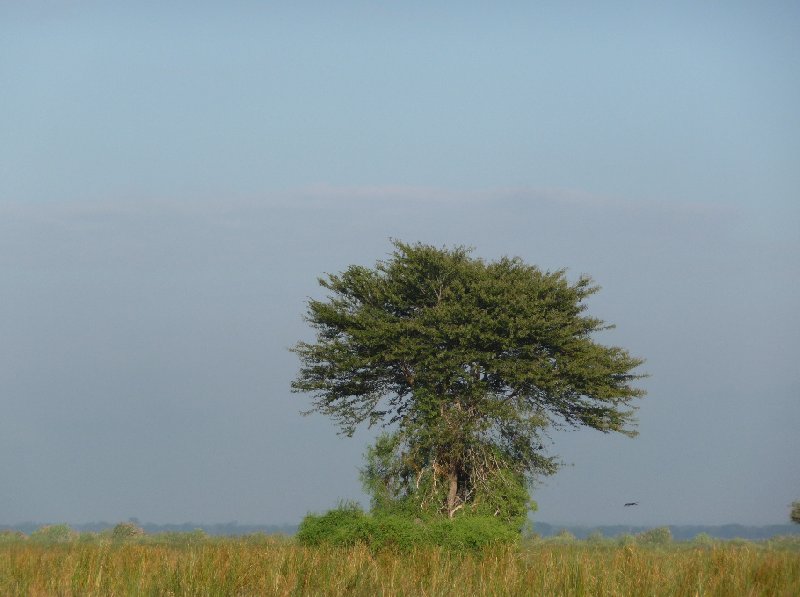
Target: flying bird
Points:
(632, 504)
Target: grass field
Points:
(196, 565)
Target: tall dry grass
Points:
(274, 567)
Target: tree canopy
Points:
(468, 362)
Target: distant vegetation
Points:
(217, 529)
(679, 532)
(57, 560)
(126, 530)
(540, 529)
(56, 533)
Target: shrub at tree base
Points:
(344, 526)
(349, 525)
(472, 532)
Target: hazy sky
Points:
(174, 178)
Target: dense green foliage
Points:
(398, 489)
(348, 526)
(469, 361)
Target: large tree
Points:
(468, 362)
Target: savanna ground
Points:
(195, 564)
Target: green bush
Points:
(395, 532)
(472, 532)
(54, 533)
(349, 525)
(346, 525)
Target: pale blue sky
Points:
(174, 178)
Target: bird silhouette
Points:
(632, 504)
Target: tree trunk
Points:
(452, 493)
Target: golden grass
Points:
(244, 567)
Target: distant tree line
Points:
(229, 529)
(679, 532)
(543, 529)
